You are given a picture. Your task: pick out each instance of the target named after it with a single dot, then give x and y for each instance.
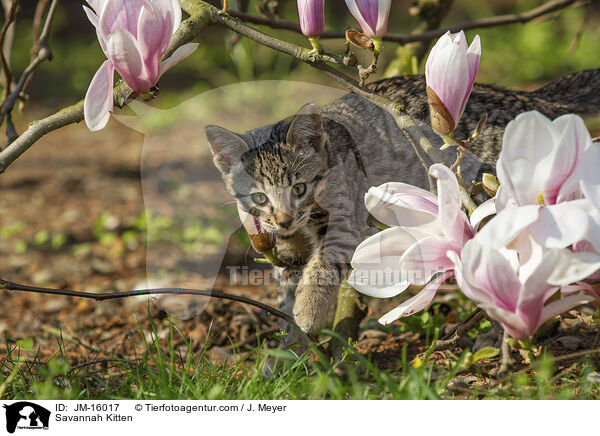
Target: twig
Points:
(499, 20)
(454, 336)
(38, 17)
(43, 53)
(10, 19)
(160, 291)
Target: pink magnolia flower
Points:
(134, 34)
(450, 74)
(372, 15)
(414, 249)
(312, 17)
(541, 164)
(495, 279)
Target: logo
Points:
(26, 415)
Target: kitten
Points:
(305, 179)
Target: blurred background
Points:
(72, 211)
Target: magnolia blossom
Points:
(450, 74)
(423, 229)
(511, 292)
(134, 35)
(544, 163)
(312, 17)
(372, 15)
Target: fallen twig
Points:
(10, 286)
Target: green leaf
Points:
(485, 353)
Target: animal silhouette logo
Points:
(24, 414)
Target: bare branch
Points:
(10, 19)
(43, 53)
(38, 18)
(500, 20)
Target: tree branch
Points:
(189, 29)
(11, 16)
(500, 20)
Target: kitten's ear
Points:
(306, 129)
(226, 147)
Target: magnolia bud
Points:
(490, 184)
(450, 75)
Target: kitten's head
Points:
(273, 171)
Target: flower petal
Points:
(452, 219)
(513, 324)
(384, 249)
(418, 302)
(559, 306)
(483, 211)
(560, 225)
(525, 162)
(574, 140)
(574, 267)
(91, 16)
(506, 225)
(178, 55)
(422, 260)
(373, 284)
(124, 53)
(368, 26)
(99, 97)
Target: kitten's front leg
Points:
(325, 271)
(315, 294)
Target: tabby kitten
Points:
(305, 179)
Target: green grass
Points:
(164, 373)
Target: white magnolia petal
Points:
(453, 226)
(574, 267)
(559, 306)
(483, 211)
(575, 139)
(384, 249)
(400, 204)
(91, 16)
(513, 324)
(589, 174)
(99, 97)
(560, 225)
(178, 55)
(528, 151)
(376, 285)
(506, 225)
(422, 260)
(416, 303)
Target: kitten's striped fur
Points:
(338, 151)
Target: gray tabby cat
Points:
(305, 179)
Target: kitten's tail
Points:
(578, 93)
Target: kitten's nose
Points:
(283, 219)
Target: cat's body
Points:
(305, 179)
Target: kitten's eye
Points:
(259, 198)
(299, 189)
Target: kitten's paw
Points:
(310, 309)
